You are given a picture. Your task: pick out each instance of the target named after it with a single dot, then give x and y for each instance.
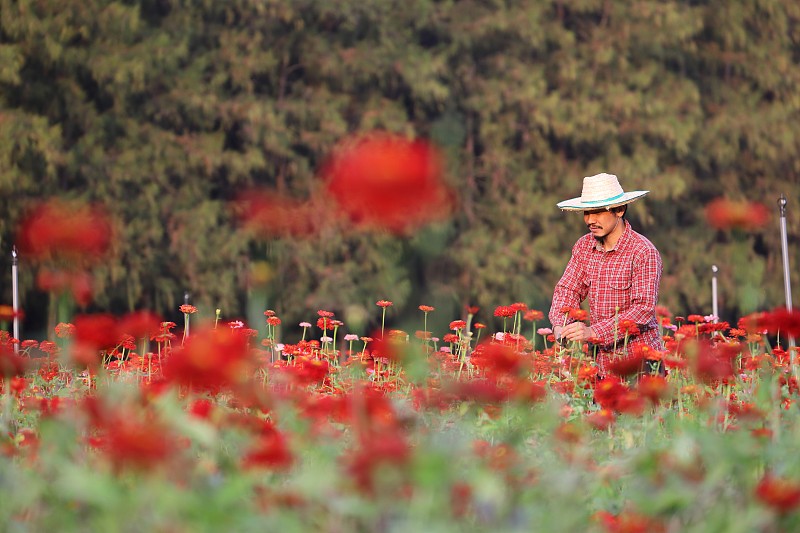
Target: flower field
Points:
(130, 423)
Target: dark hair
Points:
(623, 208)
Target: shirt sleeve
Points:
(645, 282)
(570, 290)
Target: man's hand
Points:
(577, 331)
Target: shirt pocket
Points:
(620, 282)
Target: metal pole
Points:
(186, 301)
(714, 306)
(15, 294)
(787, 282)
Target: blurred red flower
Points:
(11, 364)
(272, 214)
(7, 313)
(98, 331)
(270, 451)
(74, 232)
(387, 449)
(654, 388)
(723, 213)
(779, 493)
(306, 371)
(714, 362)
(497, 359)
(140, 324)
(608, 391)
(780, 320)
(388, 182)
(628, 522)
(210, 359)
(129, 437)
(78, 283)
(632, 362)
(601, 419)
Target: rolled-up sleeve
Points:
(570, 290)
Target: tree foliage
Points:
(164, 110)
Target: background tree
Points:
(165, 110)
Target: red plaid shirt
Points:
(621, 284)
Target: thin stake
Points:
(15, 294)
(186, 302)
(787, 282)
(714, 306)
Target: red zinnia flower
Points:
(458, 324)
(723, 213)
(383, 303)
(504, 311)
(608, 391)
(188, 309)
(654, 388)
(578, 314)
(628, 327)
(426, 308)
(388, 182)
(64, 331)
(325, 324)
(533, 315)
(601, 419)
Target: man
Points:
(618, 270)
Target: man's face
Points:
(601, 222)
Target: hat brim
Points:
(575, 204)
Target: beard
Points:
(601, 239)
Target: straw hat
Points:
(600, 191)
